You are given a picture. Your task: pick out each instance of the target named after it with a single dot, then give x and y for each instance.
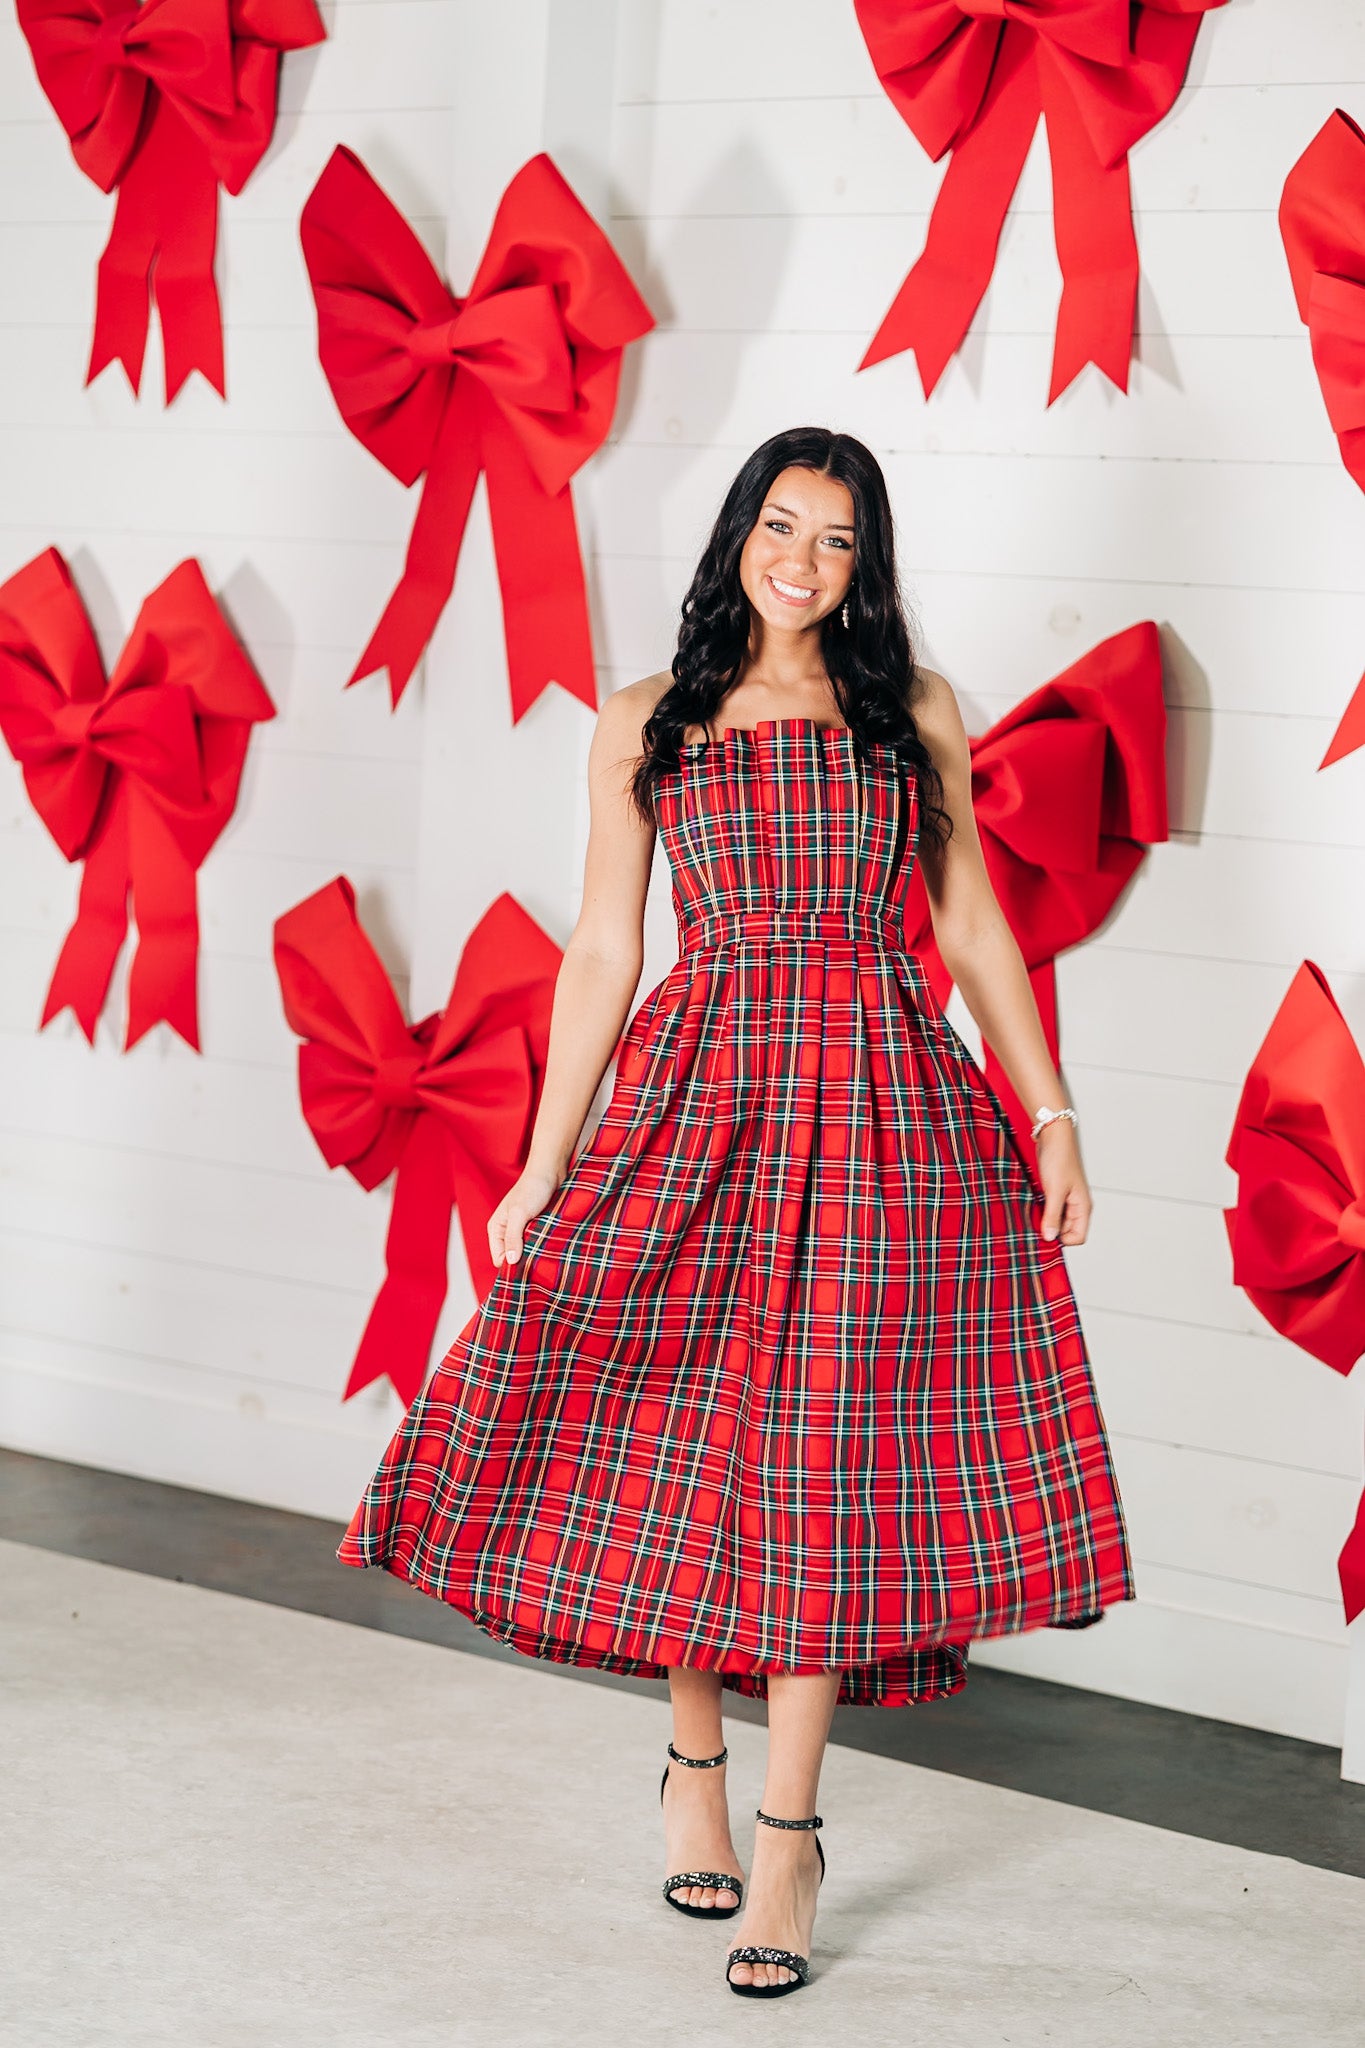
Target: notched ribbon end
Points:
(56, 1004)
(1350, 733)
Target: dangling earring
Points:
(845, 614)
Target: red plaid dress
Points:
(785, 1378)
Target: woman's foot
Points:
(783, 1885)
(697, 1832)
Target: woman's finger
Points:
(1077, 1216)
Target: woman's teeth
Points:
(793, 592)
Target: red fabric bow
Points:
(972, 77)
(165, 100)
(1068, 791)
(447, 1102)
(517, 380)
(1322, 224)
(136, 776)
(1297, 1230)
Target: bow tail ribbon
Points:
(540, 574)
(535, 543)
(1350, 733)
(1351, 1566)
(162, 242)
(85, 965)
(398, 1335)
(136, 853)
(935, 306)
(162, 982)
(409, 618)
(1092, 224)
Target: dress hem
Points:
(746, 1678)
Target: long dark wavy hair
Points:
(870, 662)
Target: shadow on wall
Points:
(741, 306)
(1189, 705)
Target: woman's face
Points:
(797, 563)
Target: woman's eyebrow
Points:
(789, 514)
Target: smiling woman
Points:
(834, 537)
(781, 1387)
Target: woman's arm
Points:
(981, 953)
(600, 971)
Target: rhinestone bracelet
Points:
(1050, 1116)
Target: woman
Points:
(780, 1385)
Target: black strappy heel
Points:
(785, 1958)
(723, 1880)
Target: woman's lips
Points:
(785, 595)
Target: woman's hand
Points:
(1067, 1203)
(523, 1200)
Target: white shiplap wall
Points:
(181, 1282)
(770, 201)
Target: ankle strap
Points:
(768, 1821)
(698, 1763)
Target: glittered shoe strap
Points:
(723, 1880)
(698, 1763)
(798, 1965)
(769, 1822)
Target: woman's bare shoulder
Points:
(934, 705)
(623, 715)
(618, 738)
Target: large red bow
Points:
(1322, 223)
(1068, 791)
(136, 776)
(1297, 1230)
(973, 76)
(447, 1102)
(164, 99)
(517, 380)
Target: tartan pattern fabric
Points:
(785, 1378)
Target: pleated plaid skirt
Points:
(786, 1379)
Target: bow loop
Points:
(1322, 224)
(515, 342)
(136, 776)
(1298, 1149)
(1336, 327)
(517, 381)
(447, 1103)
(1039, 789)
(145, 732)
(1297, 1228)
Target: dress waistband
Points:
(791, 927)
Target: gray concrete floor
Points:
(236, 1825)
(1201, 1777)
